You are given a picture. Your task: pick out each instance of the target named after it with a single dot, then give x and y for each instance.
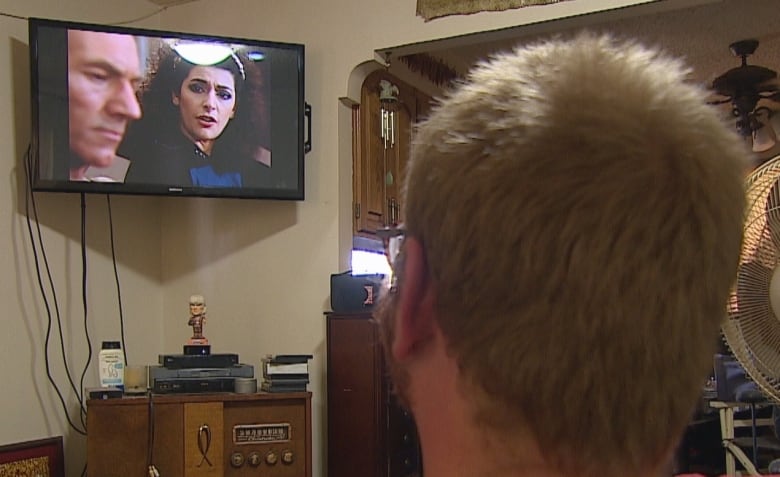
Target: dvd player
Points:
(193, 385)
(236, 371)
(179, 361)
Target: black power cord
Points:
(151, 469)
(84, 306)
(30, 201)
(116, 277)
(32, 211)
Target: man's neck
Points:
(466, 450)
(472, 452)
(454, 445)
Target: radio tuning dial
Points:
(287, 456)
(236, 459)
(255, 459)
(271, 458)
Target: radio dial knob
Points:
(271, 458)
(255, 459)
(236, 459)
(287, 456)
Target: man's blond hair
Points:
(580, 208)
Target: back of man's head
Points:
(580, 208)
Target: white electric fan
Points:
(752, 329)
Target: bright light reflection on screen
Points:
(364, 262)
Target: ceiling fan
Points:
(744, 86)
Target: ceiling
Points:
(170, 3)
(701, 34)
(700, 31)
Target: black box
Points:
(354, 293)
(177, 361)
(197, 350)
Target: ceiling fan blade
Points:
(719, 101)
(741, 78)
(747, 83)
(770, 87)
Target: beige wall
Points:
(263, 266)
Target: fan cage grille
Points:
(752, 330)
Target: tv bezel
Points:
(303, 113)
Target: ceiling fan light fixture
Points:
(764, 135)
(763, 139)
(774, 122)
(744, 86)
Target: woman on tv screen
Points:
(204, 121)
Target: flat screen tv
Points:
(132, 111)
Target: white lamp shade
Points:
(763, 139)
(774, 122)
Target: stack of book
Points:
(285, 373)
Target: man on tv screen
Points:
(103, 73)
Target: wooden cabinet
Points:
(369, 435)
(194, 435)
(382, 132)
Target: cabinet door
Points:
(373, 153)
(203, 440)
(118, 439)
(398, 155)
(356, 396)
(382, 135)
(384, 129)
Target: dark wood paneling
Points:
(369, 435)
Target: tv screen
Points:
(131, 111)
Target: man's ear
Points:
(415, 319)
(174, 99)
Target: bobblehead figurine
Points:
(197, 319)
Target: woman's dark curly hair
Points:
(166, 72)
